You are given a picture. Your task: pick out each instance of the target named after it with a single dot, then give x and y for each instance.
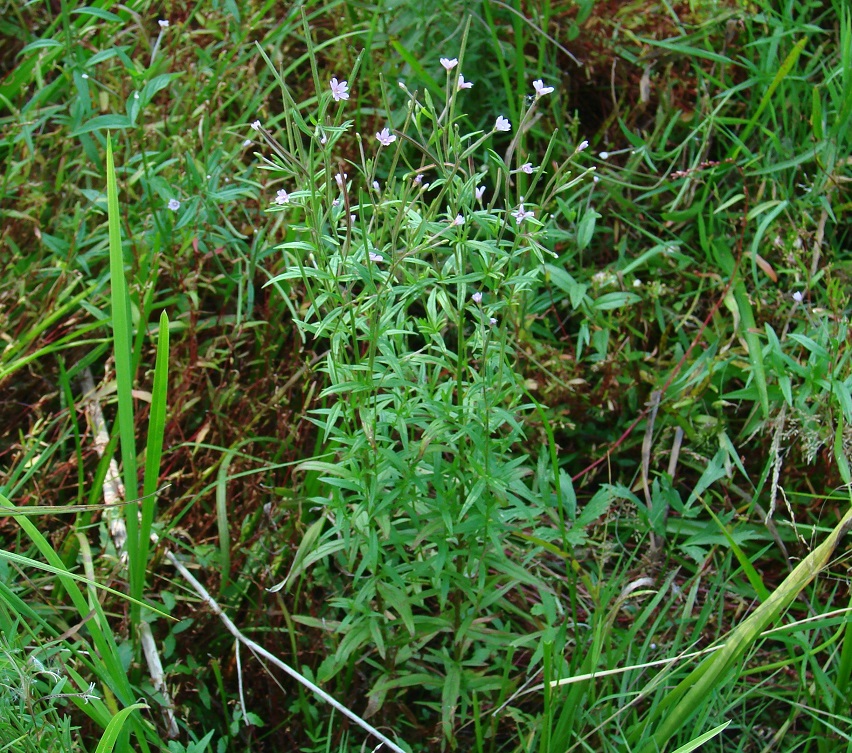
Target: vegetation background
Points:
(569, 472)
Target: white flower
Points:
(163, 24)
(282, 197)
(385, 137)
(521, 214)
(541, 89)
(583, 145)
(798, 297)
(464, 84)
(480, 191)
(492, 321)
(340, 179)
(84, 76)
(256, 125)
(375, 257)
(376, 186)
(449, 64)
(339, 89)
(637, 283)
(459, 220)
(477, 297)
(603, 155)
(174, 205)
(527, 168)
(247, 142)
(502, 124)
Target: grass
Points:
(569, 480)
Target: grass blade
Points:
(156, 430)
(122, 337)
(689, 696)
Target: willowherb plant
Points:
(414, 280)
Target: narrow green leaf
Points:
(103, 123)
(122, 338)
(755, 350)
(156, 430)
(688, 697)
(781, 74)
(701, 739)
(113, 730)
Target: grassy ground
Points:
(560, 464)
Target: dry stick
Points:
(112, 487)
(258, 649)
(114, 496)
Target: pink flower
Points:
(385, 137)
(502, 124)
(459, 220)
(521, 214)
(339, 89)
(479, 193)
(464, 84)
(449, 63)
(375, 256)
(282, 197)
(477, 297)
(527, 168)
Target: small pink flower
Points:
(492, 321)
(480, 191)
(375, 256)
(527, 168)
(477, 297)
(174, 205)
(282, 197)
(340, 179)
(464, 84)
(502, 124)
(449, 63)
(339, 89)
(583, 145)
(521, 214)
(385, 137)
(256, 125)
(459, 220)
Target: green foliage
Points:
(596, 508)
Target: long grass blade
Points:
(687, 698)
(122, 337)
